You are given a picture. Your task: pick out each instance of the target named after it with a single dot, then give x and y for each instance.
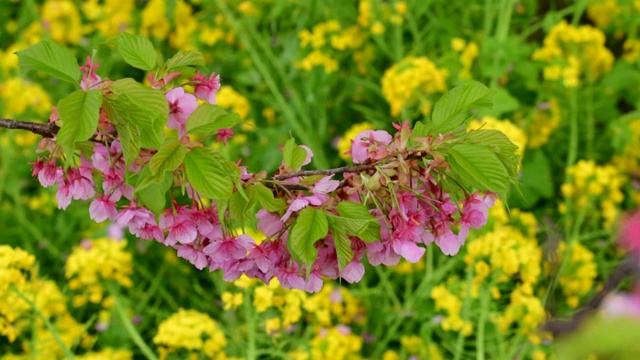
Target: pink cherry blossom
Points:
(224, 135)
(206, 89)
(48, 173)
(161, 82)
(370, 145)
(193, 255)
(102, 208)
(89, 77)
(180, 227)
(353, 272)
(630, 233)
(221, 250)
(181, 105)
(269, 223)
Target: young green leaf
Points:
(137, 51)
(152, 194)
(141, 106)
(293, 154)
(239, 208)
(343, 247)
(207, 119)
(169, 157)
(479, 168)
(265, 198)
(355, 220)
(185, 58)
(500, 144)
(208, 175)
(50, 58)
(79, 113)
(310, 226)
(452, 110)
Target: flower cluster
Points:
(516, 135)
(412, 81)
(594, 186)
(468, 53)
(572, 53)
(189, 333)
(541, 122)
(92, 263)
(577, 278)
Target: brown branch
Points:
(340, 170)
(47, 130)
(558, 327)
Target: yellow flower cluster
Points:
(334, 304)
(94, 262)
(525, 310)
(628, 162)
(317, 37)
(414, 345)
(468, 53)
(373, 17)
(21, 97)
(154, 23)
(580, 271)
(631, 49)
(617, 15)
(334, 343)
(109, 18)
(318, 58)
(451, 303)
(61, 19)
(344, 144)
(574, 52)
(603, 12)
(192, 331)
(23, 294)
(412, 81)
(594, 187)
(107, 354)
(512, 131)
(542, 123)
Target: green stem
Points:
(577, 12)
(251, 326)
(572, 154)
(482, 321)
(466, 307)
(47, 323)
(502, 32)
(131, 330)
(590, 122)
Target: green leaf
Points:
(239, 209)
(503, 102)
(79, 113)
(356, 220)
(129, 139)
(141, 106)
(479, 168)
(50, 58)
(343, 247)
(500, 144)
(169, 157)
(207, 119)
(137, 51)
(452, 110)
(265, 198)
(185, 58)
(153, 194)
(208, 174)
(310, 226)
(293, 154)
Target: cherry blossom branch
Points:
(47, 130)
(339, 170)
(559, 327)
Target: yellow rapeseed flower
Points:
(191, 330)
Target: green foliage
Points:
(479, 168)
(310, 226)
(208, 173)
(152, 193)
(137, 51)
(355, 220)
(144, 108)
(79, 113)
(52, 59)
(452, 110)
(169, 156)
(293, 154)
(184, 58)
(207, 119)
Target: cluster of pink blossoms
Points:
(410, 206)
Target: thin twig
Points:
(558, 327)
(340, 170)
